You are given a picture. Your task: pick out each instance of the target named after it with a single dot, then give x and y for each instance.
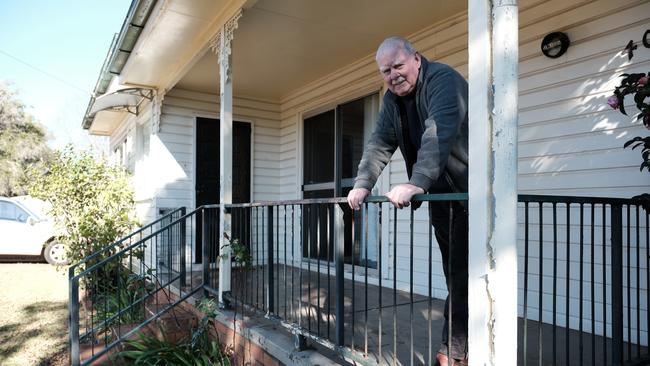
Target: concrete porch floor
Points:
(310, 302)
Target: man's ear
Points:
(418, 59)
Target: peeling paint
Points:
(491, 320)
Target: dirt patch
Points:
(33, 315)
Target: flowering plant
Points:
(636, 84)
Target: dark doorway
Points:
(207, 170)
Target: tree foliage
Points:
(637, 85)
(22, 144)
(91, 199)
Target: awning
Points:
(123, 100)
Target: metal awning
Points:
(123, 100)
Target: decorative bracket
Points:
(156, 114)
(220, 43)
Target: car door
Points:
(18, 236)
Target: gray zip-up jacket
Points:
(441, 99)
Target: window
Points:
(356, 120)
(10, 211)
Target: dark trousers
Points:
(450, 222)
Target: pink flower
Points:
(643, 81)
(613, 101)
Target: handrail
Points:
(137, 243)
(369, 199)
(120, 241)
(578, 199)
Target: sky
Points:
(51, 53)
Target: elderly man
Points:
(424, 113)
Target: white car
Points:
(26, 231)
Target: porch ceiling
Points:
(281, 45)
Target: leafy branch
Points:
(637, 85)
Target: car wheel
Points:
(55, 254)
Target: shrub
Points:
(196, 349)
(92, 200)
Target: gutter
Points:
(121, 47)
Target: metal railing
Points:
(346, 279)
(119, 291)
(584, 279)
(125, 241)
(369, 284)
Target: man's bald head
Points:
(392, 44)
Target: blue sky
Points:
(67, 40)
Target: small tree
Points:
(22, 143)
(91, 199)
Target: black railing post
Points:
(74, 319)
(204, 250)
(617, 284)
(339, 242)
(183, 230)
(270, 295)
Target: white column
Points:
(493, 58)
(221, 44)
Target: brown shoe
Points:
(443, 360)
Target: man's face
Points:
(399, 70)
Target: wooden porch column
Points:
(221, 45)
(493, 58)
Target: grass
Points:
(33, 315)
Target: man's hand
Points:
(400, 196)
(356, 197)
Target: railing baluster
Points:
(617, 284)
(365, 246)
(450, 279)
(593, 287)
(430, 294)
(74, 319)
(284, 261)
(604, 239)
(302, 256)
(540, 308)
(205, 253)
(638, 286)
(568, 285)
(411, 351)
(264, 259)
(293, 263)
(526, 230)
(310, 241)
(394, 286)
(339, 242)
(353, 282)
(319, 242)
(183, 237)
(270, 300)
(276, 266)
(328, 210)
(628, 281)
(647, 283)
(580, 283)
(554, 282)
(381, 289)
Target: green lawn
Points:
(33, 315)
